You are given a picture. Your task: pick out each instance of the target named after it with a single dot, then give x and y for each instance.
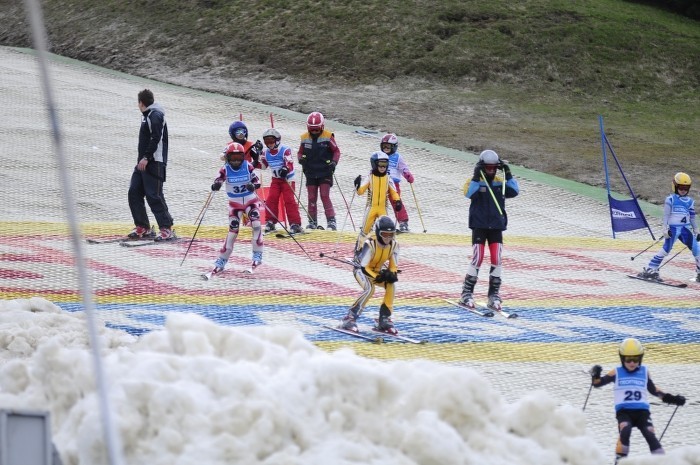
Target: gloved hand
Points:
(386, 276)
(477, 172)
(332, 165)
(506, 169)
(667, 233)
(216, 186)
(697, 238)
(258, 146)
(399, 205)
(596, 371)
(255, 155)
(250, 186)
(302, 160)
(284, 172)
(409, 177)
(673, 400)
(358, 181)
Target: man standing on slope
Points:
(149, 174)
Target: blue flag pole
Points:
(625, 215)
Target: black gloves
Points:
(332, 165)
(216, 186)
(302, 160)
(358, 181)
(596, 371)
(255, 152)
(284, 172)
(673, 400)
(477, 172)
(399, 205)
(250, 186)
(506, 170)
(697, 238)
(386, 276)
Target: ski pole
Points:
(415, 199)
(669, 422)
(345, 221)
(301, 183)
(493, 196)
(652, 245)
(346, 202)
(204, 207)
(677, 254)
(298, 199)
(589, 395)
(284, 227)
(204, 211)
(323, 255)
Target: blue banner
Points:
(626, 215)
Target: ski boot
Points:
(650, 274)
(139, 232)
(494, 302)
(312, 225)
(257, 260)
(331, 224)
(295, 229)
(269, 226)
(219, 266)
(384, 323)
(467, 290)
(403, 226)
(165, 234)
(349, 322)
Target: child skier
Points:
(397, 169)
(239, 133)
(318, 156)
(632, 381)
(241, 183)
(279, 159)
(487, 220)
(377, 266)
(679, 223)
(379, 187)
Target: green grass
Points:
(552, 66)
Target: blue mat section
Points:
(436, 324)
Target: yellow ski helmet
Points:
(631, 347)
(681, 180)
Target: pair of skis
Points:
(207, 276)
(127, 242)
(659, 281)
(376, 339)
(482, 310)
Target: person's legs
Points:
(137, 205)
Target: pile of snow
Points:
(198, 393)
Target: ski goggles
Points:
(632, 359)
(240, 132)
(382, 165)
(387, 235)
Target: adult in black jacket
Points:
(149, 174)
(488, 192)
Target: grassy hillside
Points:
(528, 78)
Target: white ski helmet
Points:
(272, 133)
(489, 157)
